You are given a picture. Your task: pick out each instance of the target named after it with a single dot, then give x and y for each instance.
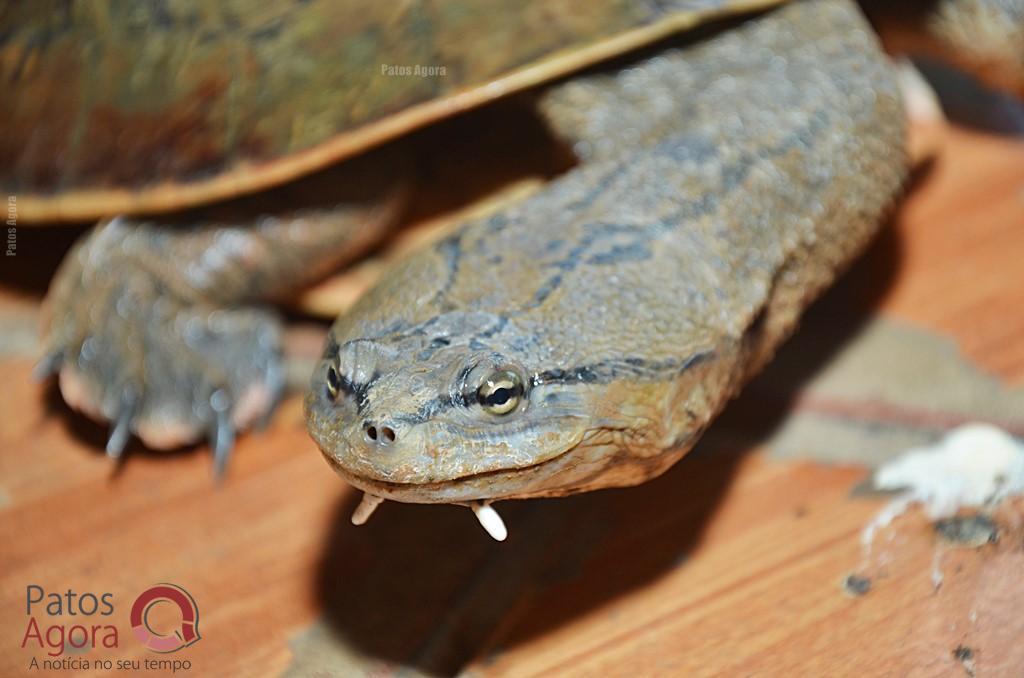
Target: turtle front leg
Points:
(163, 329)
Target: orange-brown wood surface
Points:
(732, 563)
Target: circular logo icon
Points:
(182, 636)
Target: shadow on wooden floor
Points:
(425, 586)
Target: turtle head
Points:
(457, 409)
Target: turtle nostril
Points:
(385, 435)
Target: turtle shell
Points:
(119, 106)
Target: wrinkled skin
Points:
(723, 185)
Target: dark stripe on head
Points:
(598, 373)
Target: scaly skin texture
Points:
(162, 327)
(724, 183)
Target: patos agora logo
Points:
(184, 635)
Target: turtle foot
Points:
(128, 351)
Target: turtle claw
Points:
(47, 366)
(119, 435)
(122, 423)
(222, 439)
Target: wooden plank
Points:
(961, 246)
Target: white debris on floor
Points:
(975, 465)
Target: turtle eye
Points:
(333, 382)
(501, 392)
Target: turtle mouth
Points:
(484, 486)
(475, 492)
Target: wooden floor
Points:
(733, 563)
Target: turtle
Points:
(733, 157)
